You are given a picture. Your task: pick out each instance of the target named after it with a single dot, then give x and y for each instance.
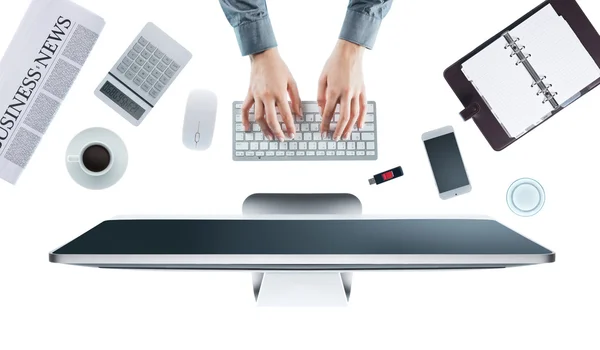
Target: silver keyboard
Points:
(308, 143)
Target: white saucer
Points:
(119, 153)
(526, 197)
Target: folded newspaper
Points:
(37, 71)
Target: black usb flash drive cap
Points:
(386, 176)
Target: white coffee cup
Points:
(95, 158)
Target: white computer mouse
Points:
(199, 122)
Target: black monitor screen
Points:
(329, 237)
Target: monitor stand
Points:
(302, 288)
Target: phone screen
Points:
(446, 163)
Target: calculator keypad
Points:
(148, 68)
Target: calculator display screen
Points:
(122, 100)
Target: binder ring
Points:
(550, 96)
(537, 82)
(514, 41)
(523, 59)
(545, 91)
(517, 50)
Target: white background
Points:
(552, 306)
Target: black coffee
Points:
(96, 158)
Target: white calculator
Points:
(143, 74)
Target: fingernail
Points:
(320, 111)
(346, 137)
(269, 137)
(281, 138)
(324, 135)
(336, 138)
(292, 136)
(301, 111)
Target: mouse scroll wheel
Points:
(197, 137)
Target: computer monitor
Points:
(301, 256)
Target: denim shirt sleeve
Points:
(251, 23)
(362, 21)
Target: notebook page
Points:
(506, 87)
(557, 53)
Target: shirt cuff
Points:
(255, 37)
(360, 29)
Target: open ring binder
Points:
(556, 49)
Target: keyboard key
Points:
(239, 127)
(161, 66)
(138, 48)
(370, 108)
(331, 145)
(340, 153)
(370, 153)
(342, 145)
(135, 67)
(145, 86)
(290, 154)
(298, 137)
(140, 61)
(360, 145)
(137, 80)
(350, 153)
(360, 153)
(330, 153)
(303, 146)
(175, 67)
(300, 154)
(154, 60)
(159, 86)
(264, 146)
(239, 154)
(320, 153)
(167, 60)
(249, 154)
(159, 54)
(310, 153)
(151, 47)
(239, 136)
(254, 146)
(368, 127)
(322, 145)
(151, 80)
(259, 136)
(132, 54)
(283, 146)
(154, 93)
(308, 137)
(318, 118)
(164, 79)
(315, 127)
(273, 146)
(368, 136)
(143, 74)
(255, 127)
(130, 74)
(370, 145)
(370, 118)
(312, 145)
(351, 145)
(148, 67)
(122, 68)
(142, 41)
(355, 136)
(260, 154)
(317, 136)
(270, 154)
(146, 54)
(127, 61)
(305, 127)
(280, 153)
(248, 136)
(242, 146)
(156, 73)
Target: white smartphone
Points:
(446, 162)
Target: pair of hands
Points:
(341, 82)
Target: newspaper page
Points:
(37, 71)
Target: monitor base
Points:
(302, 289)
